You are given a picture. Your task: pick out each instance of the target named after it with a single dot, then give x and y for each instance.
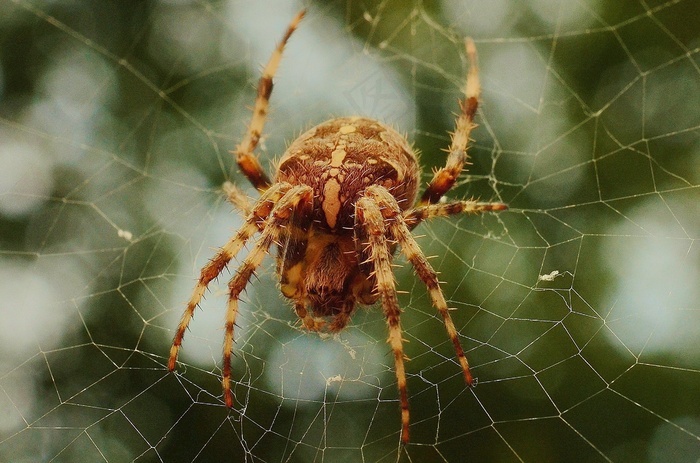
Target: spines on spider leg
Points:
(247, 162)
(415, 216)
(445, 178)
(279, 217)
(260, 212)
(236, 286)
(371, 219)
(425, 272)
(235, 196)
(397, 228)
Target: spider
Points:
(343, 199)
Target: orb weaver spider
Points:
(343, 199)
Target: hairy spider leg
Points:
(297, 198)
(400, 231)
(445, 178)
(413, 217)
(246, 159)
(237, 198)
(252, 225)
(371, 229)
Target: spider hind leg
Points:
(398, 228)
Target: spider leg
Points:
(413, 217)
(371, 228)
(446, 177)
(397, 228)
(400, 231)
(296, 198)
(235, 196)
(247, 161)
(210, 271)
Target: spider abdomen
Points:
(340, 158)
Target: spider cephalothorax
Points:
(342, 201)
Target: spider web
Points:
(578, 307)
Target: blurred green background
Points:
(578, 307)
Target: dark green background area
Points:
(598, 161)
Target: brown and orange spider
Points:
(342, 200)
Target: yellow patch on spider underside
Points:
(292, 276)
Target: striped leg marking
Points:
(247, 161)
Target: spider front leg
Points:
(298, 199)
(371, 229)
(247, 162)
(445, 178)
